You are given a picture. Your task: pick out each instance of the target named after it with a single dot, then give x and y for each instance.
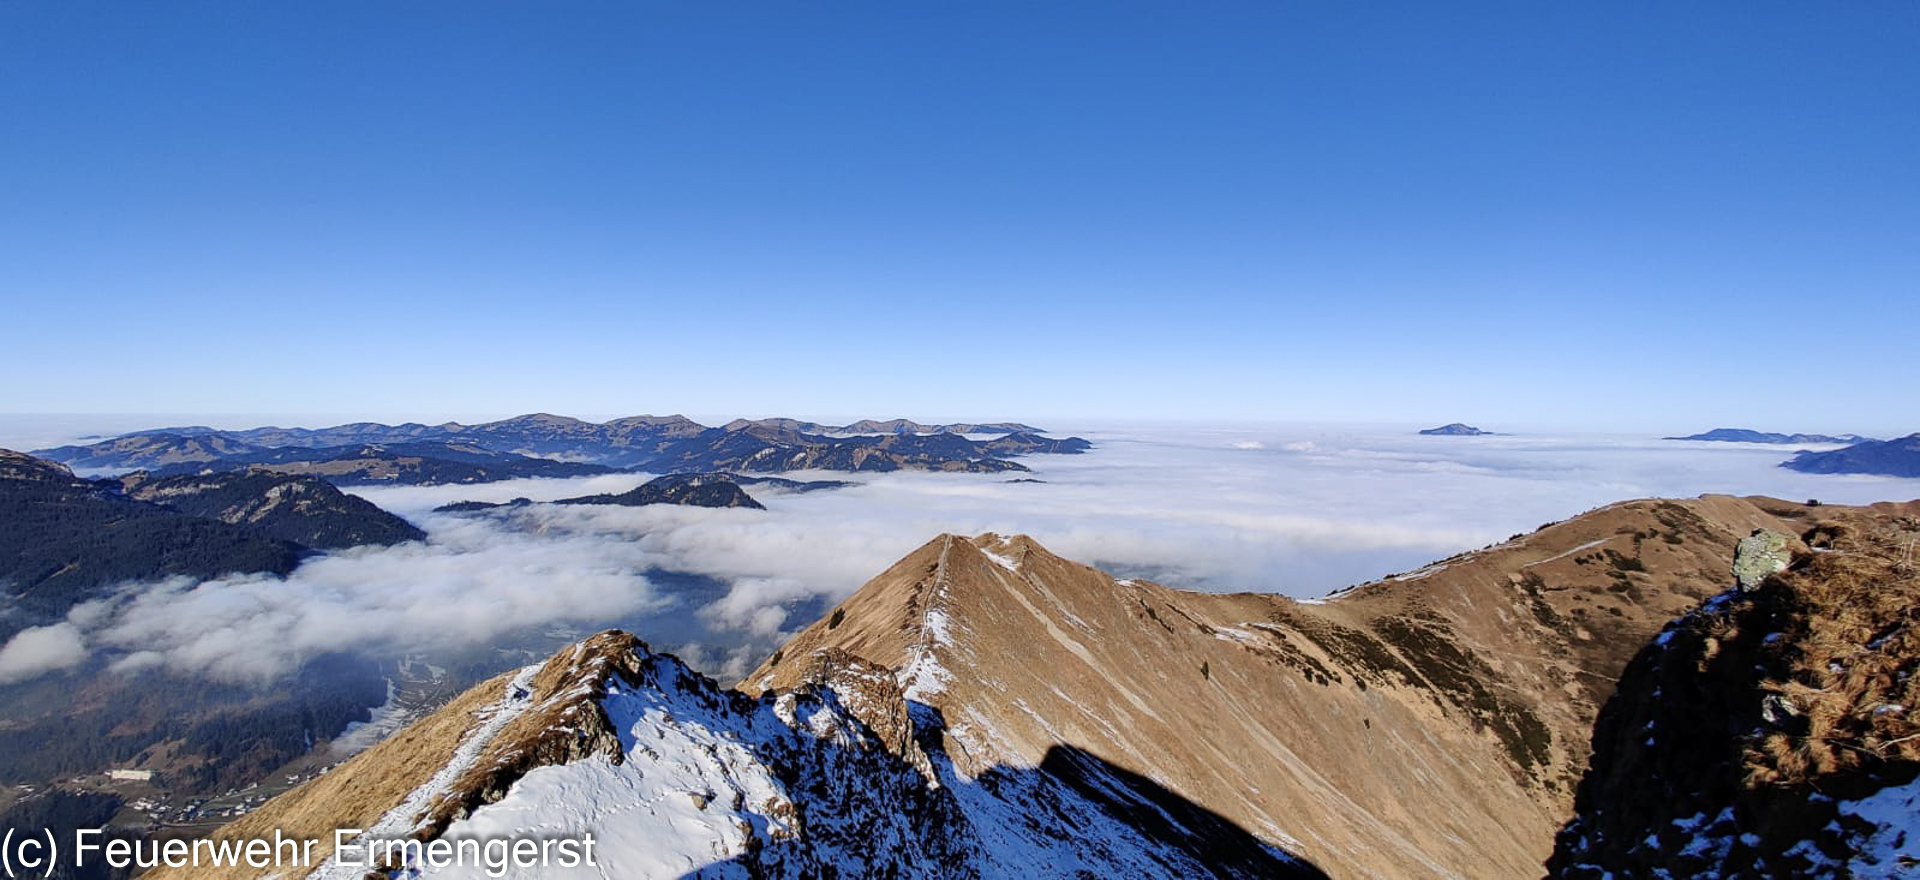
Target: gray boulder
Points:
(1759, 555)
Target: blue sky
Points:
(1643, 216)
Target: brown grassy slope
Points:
(1431, 724)
(562, 721)
(1850, 653)
(1746, 721)
(357, 793)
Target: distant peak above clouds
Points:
(1456, 429)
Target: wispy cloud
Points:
(37, 651)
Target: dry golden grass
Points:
(1849, 655)
(356, 794)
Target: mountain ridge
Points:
(1504, 654)
(1432, 723)
(1747, 435)
(542, 444)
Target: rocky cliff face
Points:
(1770, 733)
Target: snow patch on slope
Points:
(795, 786)
(691, 794)
(385, 719)
(1893, 845)
(402, 820)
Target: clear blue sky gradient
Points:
(1639, 215)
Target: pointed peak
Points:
(1010, 551)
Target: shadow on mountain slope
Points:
(1166, 818)
(1075, 815)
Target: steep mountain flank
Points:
(1430, 723)
(64, 537)
(673, 775)
(1770, 733)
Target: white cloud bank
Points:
(470, 584)
(1294, 510)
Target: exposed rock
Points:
(1759, 555)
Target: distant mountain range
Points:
(1892, 458)
(692, 490)
(1457, 429)
(890, 426)
(542, 445)
(1746, 435)
(426, 462)
(765, 449)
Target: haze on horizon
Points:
(1637, 218)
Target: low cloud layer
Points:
(42, 649)
(470, 584)
(1296, 511)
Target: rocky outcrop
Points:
(1759, 556)
(1768, 734)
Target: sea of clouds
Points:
(1300, 510)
